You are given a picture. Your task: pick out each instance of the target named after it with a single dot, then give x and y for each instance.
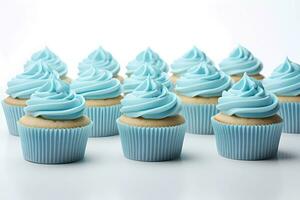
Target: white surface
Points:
(106, 174)
(72, 29)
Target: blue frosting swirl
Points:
(142, 73)
(203, 80)
(150, 100)
(55, 101)
(147, 56)
(96, 84)
(52, 60)
(193, 57)
(100, 59)
(248, 98)
(284, 80)
(34, 76)
(240, 61)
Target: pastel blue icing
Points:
(284, 80)
(191, 58)
(150, 100)
(52, 60)
(96, 84)
(147, 56)
(142, 73)
(100, 59)
(203, 80)
(34, 76)
(248, 98)
(55, 101)
(240, 61)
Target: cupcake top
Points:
(147, 56)
(96, 84)
(191, 58)
(100, 59)
(55, 101)
(150, 100)
(248, 98)
(203, 80)
(284, 80)
(141, 74)
(52, 60)
(240, 61)
(34, 76)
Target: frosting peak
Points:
(248, 98)
(191, 58)
(100, 59)
(96, 84)
(56, 101)
(147, 56)
(52, 60)
(239, 61)
(142, 72)
(34, 76)
(203, 80)
(284, 80)
(150, 100)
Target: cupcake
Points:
(19, 90)
(141, 74)
(150, 127)
(199, 89)
(147, 56)
(240, 61)
(191, 58)
(101, 59)
(284, 82)
(102, 95)
(54, 129)
(247, 127)
(52, 60)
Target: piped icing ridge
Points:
(203, 80)
(52, 60)
(150, 100)
(284, 80)
(241, 60)
(248, 98)
(100, 59)
(141, 74)
(190, 59)
(35, 75)
(55, 101)
(96, 84)
(147, 56)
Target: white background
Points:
(72, 29)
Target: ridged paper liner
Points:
(242, 142)
(290, 112)
(198, 118)
(53, 146)
(104, 120)
(12, 115)
(151, 143)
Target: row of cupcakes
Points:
(239, 61)
(202, 84)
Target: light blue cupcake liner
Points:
(290, 112)
(198, 117)
(151, 143)
(104, 120)
(53, 146)
(243, 142)
(12, 115)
